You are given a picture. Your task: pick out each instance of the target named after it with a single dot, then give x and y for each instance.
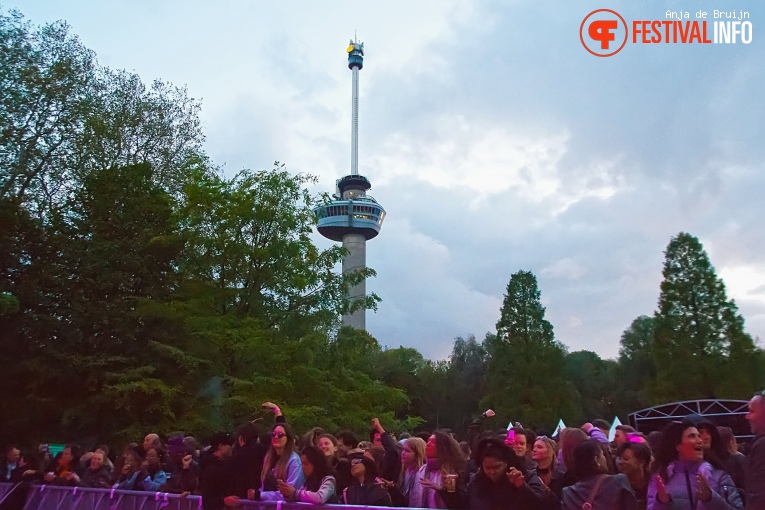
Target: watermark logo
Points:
(603, 32)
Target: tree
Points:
(47, 78)
(249, 241)
(594, 380)
(525, 379)
(636, 369)
(699, 333)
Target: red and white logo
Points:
(603, 32)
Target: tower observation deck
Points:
(353, 217)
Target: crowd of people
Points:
(690, 464)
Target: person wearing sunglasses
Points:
(281, 464)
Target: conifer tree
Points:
(700, 347)
(526, 369)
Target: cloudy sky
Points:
(492, 138)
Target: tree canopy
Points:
(141, 288)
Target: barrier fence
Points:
(49, 497)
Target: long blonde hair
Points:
(417, 445)
(274, 460)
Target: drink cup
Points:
(450, 482)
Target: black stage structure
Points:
(725, 413)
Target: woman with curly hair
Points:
(443, 461)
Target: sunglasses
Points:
(542, 437)
(278, 435)
(356, 461)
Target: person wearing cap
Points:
(364, 490)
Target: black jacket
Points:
(483, 494)
(368, 494)
(215, 482)
(755, 475)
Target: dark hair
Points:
(642, 453)
(568, 439)
(625, 428)
(448, 452)
(584, 459)
(311, 438)
(726, 436)
(493, 448)
(370, 467)
(220, 438)
(347, 437)
(320, 467)
(672, 435)
(248, 432)
(601, 424)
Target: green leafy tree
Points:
(700, 339)
(595, 381)
(526, 367)
(47, 78)
(636, 368)
(249, 240)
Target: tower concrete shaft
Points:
(356, 259)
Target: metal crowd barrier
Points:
(49, 497)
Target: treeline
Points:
(142, 290)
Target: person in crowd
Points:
(97, 475)
(11, 460)
(215, 482)
(66, 469)
(442, 457)
(563, 476)
(185, 471)
(683, 479)
(328, 446)
(319, 485)
(10, 463)
(151, 440)
(364, 490)
(523, 440)
(347, 441)
(281, 463)
(247, 460)
(715, 451)
(620, 434)
(382, 441)
(595, 486)
(734, 461)
(500, 482)
(412, 459)
(598, 429)
(85, 459)
(152, 475)
(131, 467)
(755, 459)
(635, 464)
(544, 455)
(311, 438)
(654, 440)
